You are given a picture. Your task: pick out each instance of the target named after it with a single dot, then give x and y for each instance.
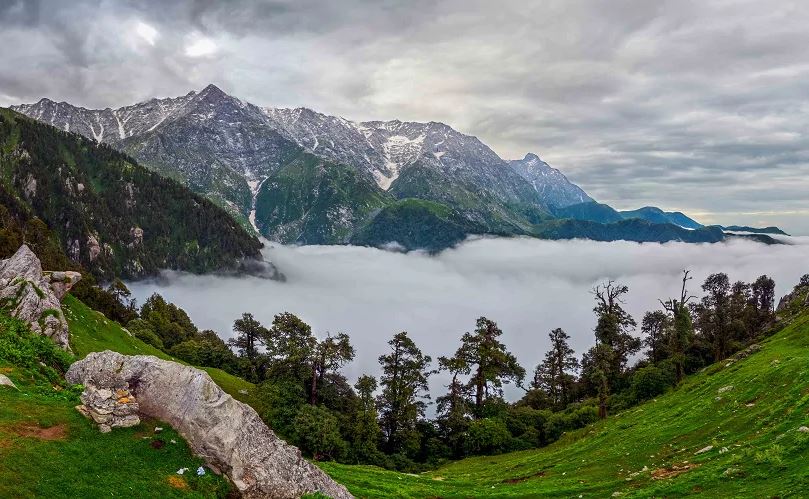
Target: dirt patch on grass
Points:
(673, 470)
(178, 482)
(6, 370)
(523, 478)
(58, 432)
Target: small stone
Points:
(704, 450)
(182, 471)
(803, 429)
(725, 389)
(158, 429)
(5, 381)
(723, 450)
(243, 392)
(103, 428)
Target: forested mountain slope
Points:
(71, 197)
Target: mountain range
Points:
(80, 203)
(299, 176)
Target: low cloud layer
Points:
(527, 286)
(697, 106)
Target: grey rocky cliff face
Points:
(550, 183)
(228, 434)
(33, 296)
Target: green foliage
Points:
(650, 381)
(405, 370)
(310, 200)
(22, 348)
(58, 189)
(144, 332)
(417, 224)
(316, 433)
(487, 436)
(757, 424)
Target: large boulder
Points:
(228, 434)
(33, 296)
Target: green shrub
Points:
(317, 434)
(487, 436)
(649, 382)
(143, 332)
(23, 348)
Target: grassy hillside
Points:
(729, 431)
(48, 449)
(748, 411)
(90, 331)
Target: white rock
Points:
(227, 434)
(803, 429)
(725, 389)
(4, 381)
(33, 296)
(704, 450)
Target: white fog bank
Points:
(527, 286)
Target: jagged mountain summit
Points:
(239, 154)
(551, 184)
(299, 176)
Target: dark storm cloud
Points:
(696, 106)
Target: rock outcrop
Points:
(107, 401)
(228, 434)
(33, 296)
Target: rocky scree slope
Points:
(107, 213)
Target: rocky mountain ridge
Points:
(299, 176)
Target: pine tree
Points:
(405, 371)
(553, 375)
(682, 327)
(614, 344)
(489, 362)
(328, 356)
(655, 329)
(366, 432)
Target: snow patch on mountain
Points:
(550, 183)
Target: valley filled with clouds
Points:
(527, 286)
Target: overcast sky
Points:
(697, 106)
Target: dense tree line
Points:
(303, 395)
(80, 204)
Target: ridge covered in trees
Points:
(80, 204)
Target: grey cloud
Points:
(640, 102)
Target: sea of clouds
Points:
(527, 286)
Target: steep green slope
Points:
(730, 431)
(591, 212)
(109, 214)
(48, 449)
(481, 207)
(310, 200)
(658, 216)
(634, 229)
(90, 332)
(416, 224)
